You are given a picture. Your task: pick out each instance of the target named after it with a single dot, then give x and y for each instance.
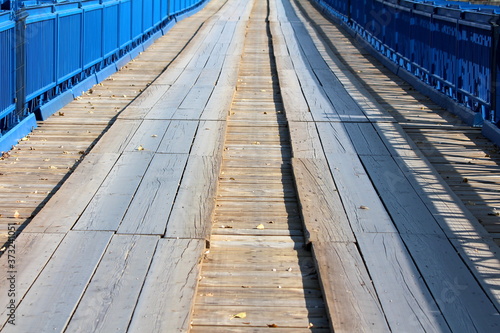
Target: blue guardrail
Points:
(446, 49)
(52, 50)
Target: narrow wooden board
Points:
(365, 139)
(111, 201)
(219, 103)
(168, 294)
(335, 139)
(51, 300)
(148, 212)
(352, 301)
(197, 98)
(191, 214)
(400, 287)
(321, 206)
(31, 253)
(64, 208)
(112, 293)
(305, 140)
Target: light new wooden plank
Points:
(463, 303)
(31, 251)
(191, 214)
(148, 212)
(178, 137)
(148, 136)
(111, 201)
(168, 294)
(51, 300)
(321, 207)
(305, 140)
(403, 294)
(110, 298)
(351, 299)
(64, 208)
(209, 138)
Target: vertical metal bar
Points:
(493, 83)
(20, 62)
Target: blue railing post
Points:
(20, 61)
(494, 72)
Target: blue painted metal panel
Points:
(110, 29)
(136, 19)
(147, 16)
(92, 36)
(125, 33)
(69, 45)
(6, 62)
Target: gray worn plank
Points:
(335, 139)
(351, 299)
(405, 299)
(191, 214)
(321, 207)
(209, 138)
(197, 98)
(51, 300)
(219, 103)
(110, 298)
(463, 303)
(149, 210)
(31, 253)
(365, 139)
(111, 201)
(117, 137)
(63, 210)
(148, 136)
(362, 204)
(179, 137)
(168, 294)
(305, 140)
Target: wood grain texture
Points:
(168, 294)
(178, 137)
(112, 294)
(51, 300)
(351, 299)
(107, 208)
(190, 217)
(31, 253)
(65, 207)
(149, 210)
(209, 138)
(324, 216)
(400, 287)
(305, 140)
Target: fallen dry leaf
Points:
(272, 325)
(363, 207)
(260, 226)
(240, 315)
(16, 214)
(140, 148)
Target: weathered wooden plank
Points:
(351, 299)
(365, 139)
(321, 207)
(117, 137)
(462, 301)
(219, 103)
(64, 208)
(335, 139)
(409, 213)
(110, 298)
(197, 98)
(51, 300)
(190, 217)
(362, 203)
(178, 137)
(168, 294)
(148, 212)
(400, 287)
(296, 107)
(209, 138)
(148, 136)
(305, 140)
(111, 201)
(31, 253)
(150, 96)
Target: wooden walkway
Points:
(266, 180)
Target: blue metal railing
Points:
(53, 50)
(450, 46)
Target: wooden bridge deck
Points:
(272, 177)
